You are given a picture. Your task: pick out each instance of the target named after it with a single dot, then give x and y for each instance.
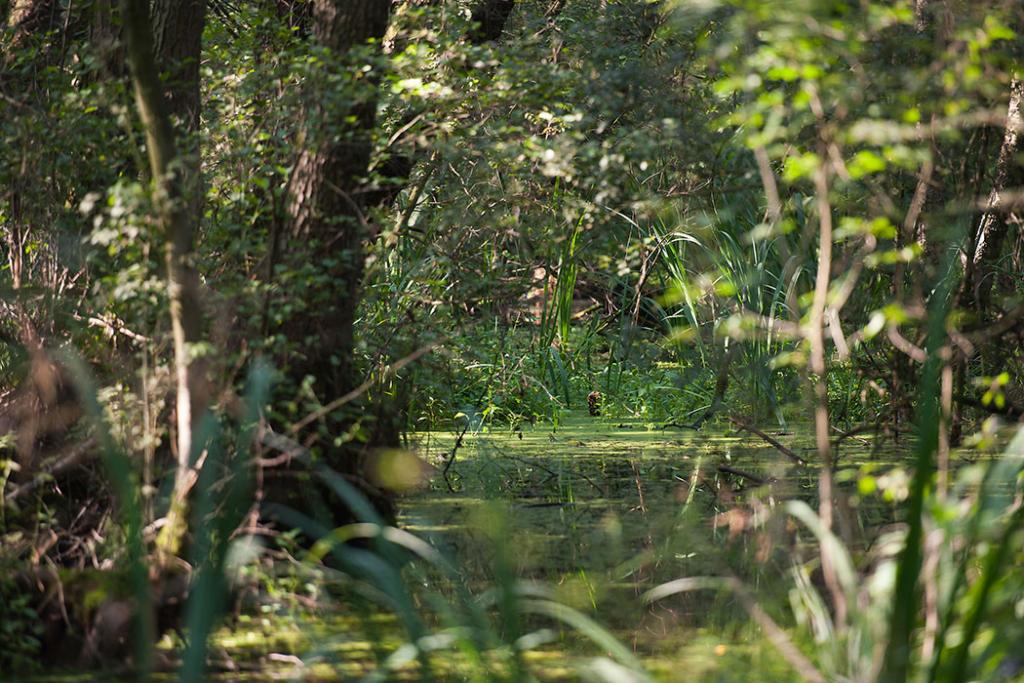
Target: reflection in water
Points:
(604, 513)
(594, 515)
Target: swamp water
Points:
(552, 538)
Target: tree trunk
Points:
(30, 18)
(177, 40)
(815, 333)
(489, 18)
(986, 244)
(994, 224)
(169, 197)
(326, 207)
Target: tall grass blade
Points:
(586, 627)
(217, 515)
(896, 662)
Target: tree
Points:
(177, 42)
(171, 179)
(28, 18)
(326, 208)
(994, 223)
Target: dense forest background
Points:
(258, 253)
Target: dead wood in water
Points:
(451, 458)
(725, 469)
(780, 447)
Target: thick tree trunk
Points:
(986, 244)
(178, 43)
(177, 40)
(328, 201)
(326, 207)
(182, 281)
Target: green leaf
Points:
(865, 163)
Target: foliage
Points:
(709, 212)
(21, 631)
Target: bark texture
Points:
(29, 18)
(177, 40)
(178, 227)
(995, 223)
(325, 206)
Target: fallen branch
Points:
(780, 447)
(451, 458)
(853, 434)
(112, 327)
(74, 455)
(677, 425)
(725, 469)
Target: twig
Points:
(550, 471)
(362, 388)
